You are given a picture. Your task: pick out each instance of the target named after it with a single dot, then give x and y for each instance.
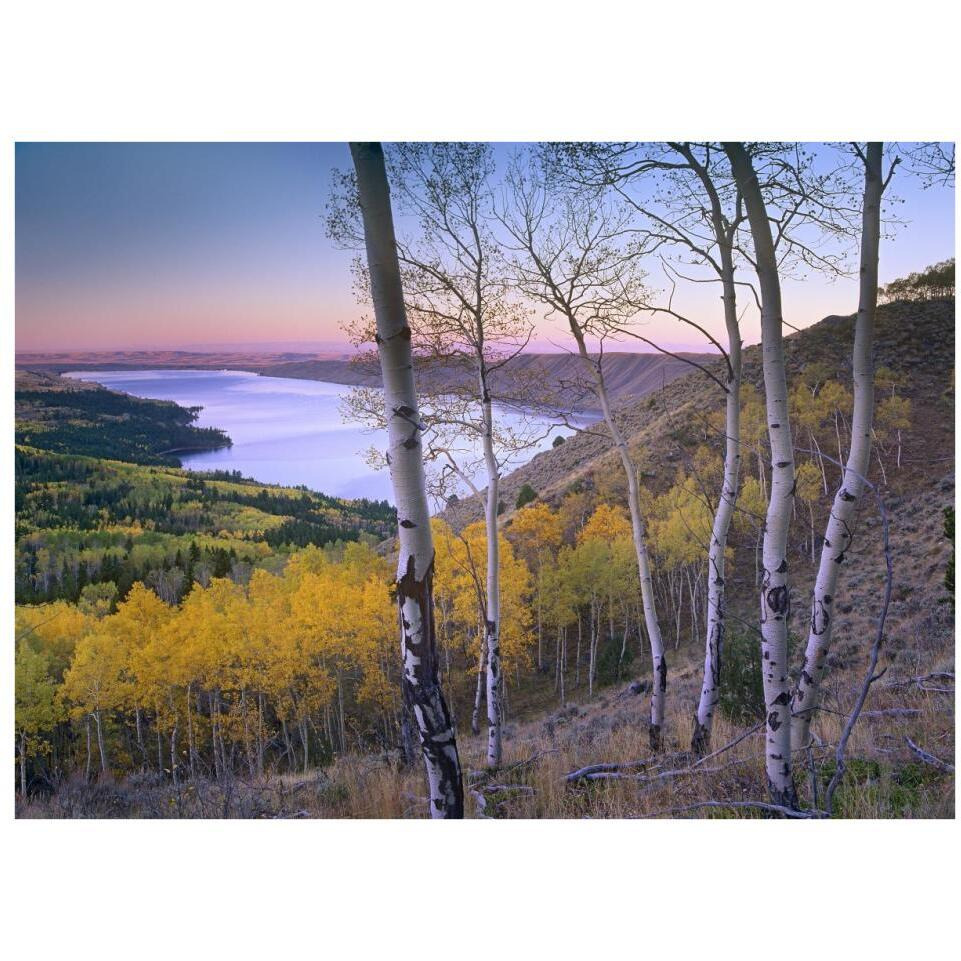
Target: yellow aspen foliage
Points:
(461, 571)
(808, 482)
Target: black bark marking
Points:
(422, 687)
(778, 601)
(408, 524)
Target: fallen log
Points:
(935, 762)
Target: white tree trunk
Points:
(775, 590)
(714, 642)
(416, 555)
(100, 742)
(493, 600)
(839, 532)
(638, 528)
(479, 690)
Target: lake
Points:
(284, 431)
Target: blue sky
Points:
(178, 245)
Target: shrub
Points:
(742, 688)
(525, 495)
(558, 440)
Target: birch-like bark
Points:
(415, 571)
(775, 590)
(840, 525)
(492, 622)
(479, 690)
(714, 642)
(638, 528)
(100, 742)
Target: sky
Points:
(223, 246)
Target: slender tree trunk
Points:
(415, 572)
(100, 742)
(839, 532)
(540, 624)
(140, 746)
(590, 651)
(562, 660)
(884, 475)
(820, 456)
(86, 773)
(288, 747)
(218, 767)
(577, 654)
(173, 753)
(492, 623)
(340, 713)
(23, 766)
(260, 734)
(638, 528)
(192, 747)
(775, 589)
(716, 597)
(479, 692)
(623, 654)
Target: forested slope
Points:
(75, 417)
(92, 527)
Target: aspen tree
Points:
(840, 526)
(775, 588)
(415, 570)
(571, 256)
(684, 197)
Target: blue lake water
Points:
(284, 431)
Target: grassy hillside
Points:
(666, 427)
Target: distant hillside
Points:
(56, 362)
(556, 379)
(916, 339)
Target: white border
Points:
(498, 70)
